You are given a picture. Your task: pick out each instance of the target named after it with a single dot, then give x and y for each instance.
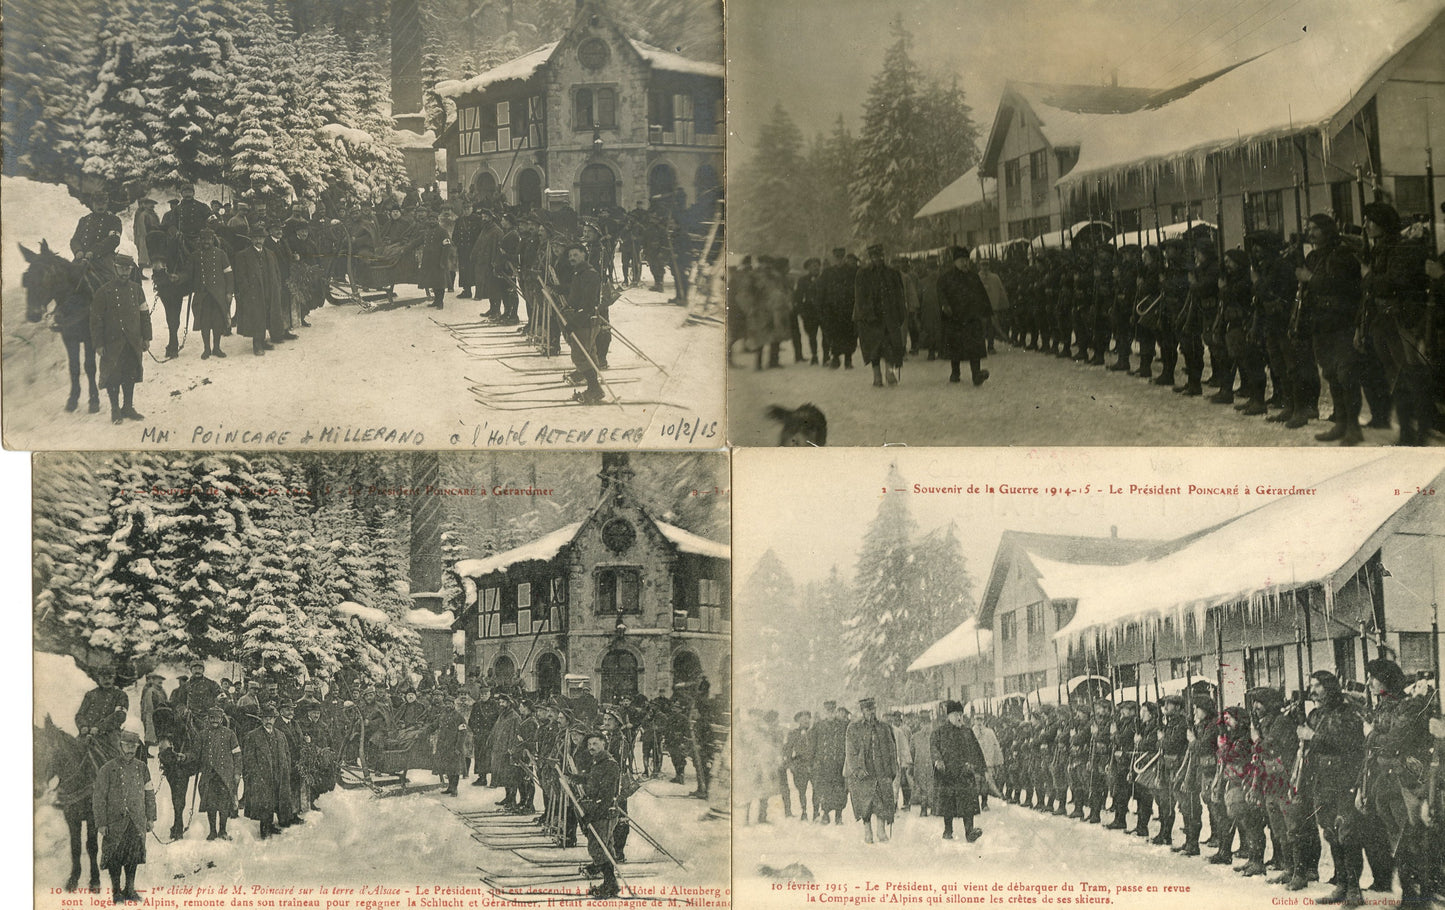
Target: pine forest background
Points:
(118, 96)
(854, 631)
(213, 567)
(800, 196)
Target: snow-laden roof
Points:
(426, 619)
(333, 131)
(406, 139)
(660, 59)
(544, 547)
(965, 191)
(523, 67)
(1290, 542)
(688, 542)
(1165, 232)
(1063, 128)
(1302, 85)
(370, 614)
(964, 642)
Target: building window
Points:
(1411, 197)
(1008, 627)
(1127, 675)
(1039, 176)
(1264, 667)
(594, 53)
(1180, 212)
(1180, 667)
(619, 590)
(1036, 619)
(704, 115)
(524, 608)
(1263, 211)
(594, 107)
(489, 613)
(1129, 220)
(469, 131)
(1342, 201)
(1067, 158)
(1415, 652)
(660, 111)
(1013, 181)
(1345, 659)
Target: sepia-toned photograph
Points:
(1088, 676)
(381, 225)
(1112, 222)
(364, 680)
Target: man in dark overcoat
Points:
(880, 316)
(258, 292)
(798, 752)
(211, 277)
(218, 759)
(870, 765)
(266, 768)
(454, 743)
(830, 792)
(485, 257)
(464, 234)
(836, 296)
(1334, 753)
(958, 770)
(120, 327)
(1334, 293)
(438, 255)
(965, 313)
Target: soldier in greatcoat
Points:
(120, 327)
(880, 316)
(870, 765)
(438, 259)
(830, 791)
(965, 314)
(219, 759)
(124, 806)
(211, 279)
(485, 258)
(142, 225)
(94, 226)
(454, 743)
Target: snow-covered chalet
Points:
(598, 116)
(1321, 580)
(631, 602)
(1331, 118)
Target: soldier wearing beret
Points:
(1333, 279)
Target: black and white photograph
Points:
(382, 679)
(371, 224)
(1088, 676)
(1104, 223)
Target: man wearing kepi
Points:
(870, 764)
(1333, 275)
(958, 770)
(880, 314)
(1334, 742)
(584, 293)
(966, 312)
(598, 799)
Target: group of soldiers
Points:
(1358, 770)
(1275, 321)
(880, 310)
(270, 749)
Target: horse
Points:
(52, 277)
(75, 763)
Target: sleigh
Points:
(372, 275)
(381, 754)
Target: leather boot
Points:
(1333, 434)
(867, 832)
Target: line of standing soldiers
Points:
(1271, 316)
(1367, 780)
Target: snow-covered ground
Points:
(1018, 847)
(355, 839)
(352, 372)
(1030, 399)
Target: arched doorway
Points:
(619, 675)
(597, 187)
(484, 185)
(529, 189)
(549, 675)
(686, 668)
(661, 181)
(707, 180)
(504, 672)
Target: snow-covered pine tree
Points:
(46, 59)
(67, 514)
(212, 535)
(888, 184)
(824, 608)
(123, 617)
(881, 625)
(454, 549)
(942, 595)
(268, 636)
(778, 186)
(194, 76)
(120, 119)
(255, 169)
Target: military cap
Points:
(309, 704)
(867, 701)
(802, 714)
(952, 707)
(957, 252)
(829, 705)
(1266, 695)
(215, 713)
(1383, 214)
(1387, 672)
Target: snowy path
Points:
(354, 371)
(1030, 399)
(404, 842)
(1018, 846)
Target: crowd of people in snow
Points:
(271, 747)
(1358, 768)
(1274, 321)
(261, 270)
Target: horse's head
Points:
(47, 278)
